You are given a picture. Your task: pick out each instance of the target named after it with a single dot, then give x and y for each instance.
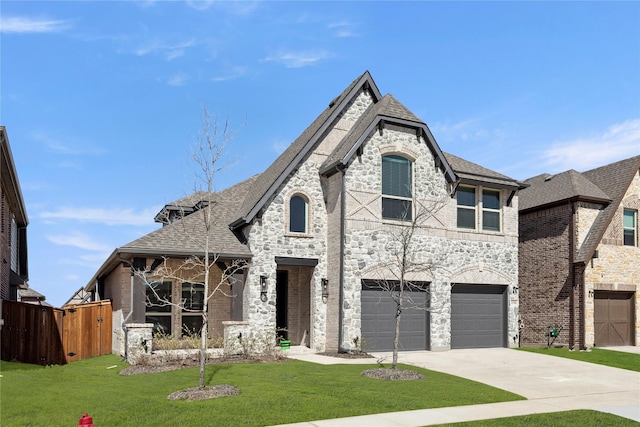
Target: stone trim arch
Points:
(480, 275)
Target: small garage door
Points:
(613, 319)
(478, 316)
(378, 321)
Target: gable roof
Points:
(275, 174)
(606, 185)
(614, 179)
(388, 110)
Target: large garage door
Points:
(378, 321)
(613, 318)
(478, 316)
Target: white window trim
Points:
(478, 209)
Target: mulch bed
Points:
(209, 392)
(390, 374)
(348, 355)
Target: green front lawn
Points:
(554, 419)
(615, 359)
(270, 393)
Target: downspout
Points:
(342, 169)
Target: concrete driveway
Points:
(551, 384)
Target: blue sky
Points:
(103, 100)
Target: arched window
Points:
(397, 188)
(298, 214)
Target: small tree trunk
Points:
(396, 338)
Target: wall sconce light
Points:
(325, 290)
(263, 288)
(514, 290)
(591, 293)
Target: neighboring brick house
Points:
(13, 228)
(315, 231)
(579, 257)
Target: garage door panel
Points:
(378, 322)
(613, 318)
(478, 316)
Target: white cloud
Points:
(230, 73)
(466, 130)
(24, 25)
(179, 79)
(343, 29)
(111, 216)
(279, 145)
(170, 51)
(79, 240)
(619, 141)
(67, 146)
(299, 59)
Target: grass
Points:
(270, 393)
(582, 418)
(615, 359)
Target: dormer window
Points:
(298, 214)
(397, 188)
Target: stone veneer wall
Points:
(545, 281)
(369, 239)
(617, 267)
(268, 237)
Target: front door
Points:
(282, 297)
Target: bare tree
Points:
(404, 263)
(198, 268)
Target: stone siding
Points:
(370, 240)
(617, 267)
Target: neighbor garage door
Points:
(478, 316)
(378, 321)
(613, 318)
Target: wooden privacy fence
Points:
(53, 336)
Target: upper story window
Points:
(629, 222)
(397, 188)
(491, 210)
(472, 200)
(298, 214)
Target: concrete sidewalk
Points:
(551, 384)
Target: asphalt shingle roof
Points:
(607, 185)
(614, 179)
(472, 171)
(275, 173)
(182, 236)
(547, 189)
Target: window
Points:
(158, 310)
(298, 214)
(192, 307)
(629, 227)
(491, 210)
(397, 188)
(466, 197)
(469, 204)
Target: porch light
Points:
(263, 288)
(325, 290)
